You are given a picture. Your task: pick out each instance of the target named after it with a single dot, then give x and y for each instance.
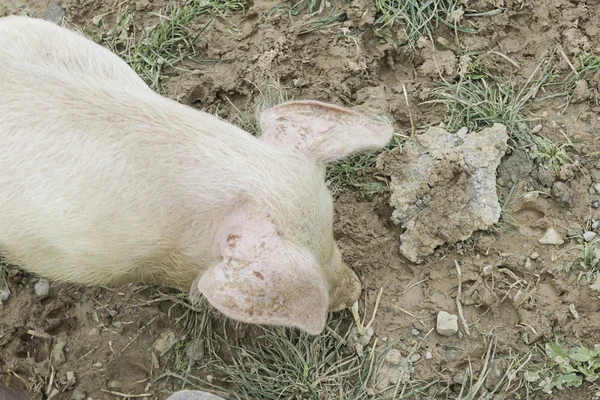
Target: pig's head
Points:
(266, 278)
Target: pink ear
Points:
(263, 278)
(329, 132)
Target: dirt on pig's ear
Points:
(327, 131)
(263, 278)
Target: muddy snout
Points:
(345, 292)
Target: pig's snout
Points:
(345, 291)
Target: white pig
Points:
(103, 181)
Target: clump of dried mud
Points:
(443, 187)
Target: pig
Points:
(103, 181)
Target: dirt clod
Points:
(444, 187)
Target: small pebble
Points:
(415, 357)
(415, 332)
(97, 365)
(209, 378)
(528, 264)
(70, 378)
(4, 295)
(428, 355)
(447, 324)
(534, 256)
(595, 225)
(42, 289)
(597, 187)
(595, 203)
(589, 236)
(537, 128)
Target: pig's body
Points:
(104, 181)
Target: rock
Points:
(428, 355)
(537, 129)
(597, 187)
(444, 187)
(562, 193)
(589, 236)
(528, 264)
(97, 365)
(415, 332)
(42, 289)
(534, 256)
(488, 270)
(57, 354)
(551, 237)
(164, 342)
(415, 357)
(595, 203)
(4, 296)
(447, 324)
(595, 225)
(71, 378)
(78, 394)
(54, 13)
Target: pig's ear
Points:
(264, 278)
(328, 132)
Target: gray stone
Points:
(589, 236)
(71, 378)
(447, 324)
(42, 289)
(4, 295)
(537, 129)
(54, 13)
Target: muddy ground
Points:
(112, 338)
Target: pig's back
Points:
(100, 175)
